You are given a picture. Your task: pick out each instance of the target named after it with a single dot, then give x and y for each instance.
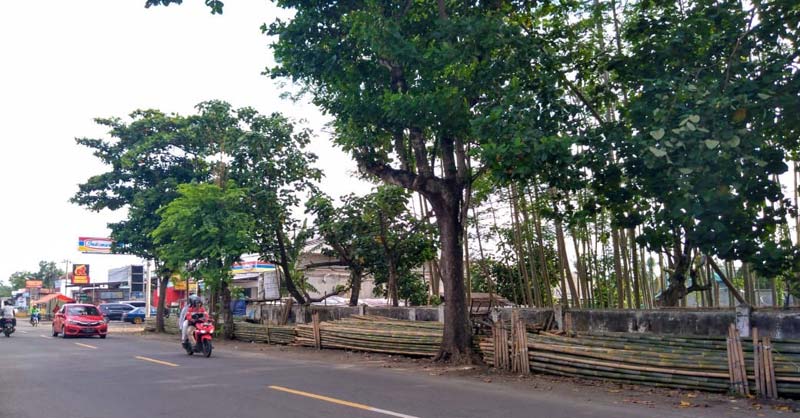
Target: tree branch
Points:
(448, 158)
(324, 296)
(727, 282)
(339, 263)
(420, 153)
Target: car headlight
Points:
(73, 322)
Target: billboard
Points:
(91, 245)
(80, 274)
(33, 283)
(253, 267)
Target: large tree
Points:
(148, 157)
(375, 234)
(401, 80)
(708, 121)
(269, 160)
(205, 230)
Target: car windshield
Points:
(83, 310)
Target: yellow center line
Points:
(341, 402)
(87, 346)
(152, 360)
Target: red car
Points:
(75, 319)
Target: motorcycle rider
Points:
(34, 313)
(195, 307)
(182, 322)
(8, 313)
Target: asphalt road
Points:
(128, 376)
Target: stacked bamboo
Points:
(737, 369)
(170, 325)
(270, 334)
(374, 334)
(764, 367)
(519, 345)
(675, 362)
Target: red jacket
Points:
(194, 310)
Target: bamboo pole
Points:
(757, 363)
(769, 369)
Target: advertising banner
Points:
(80, 274)
(33, 283)
(179, 284)
(91, 245)
(253, 267)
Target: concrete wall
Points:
(662, 321)
(782, 324)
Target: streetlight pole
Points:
(148, 289)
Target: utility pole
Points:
(148, 290)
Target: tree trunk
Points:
(227, 315)
(637, 297)
(535, 282)
(457, 338)
(287, 273)
(355, 286)
(562, 249)
(162, 303)
(537, 223)
(626, 272)
(525, 286)
(618, 268)
(392, 284)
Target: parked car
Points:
(137, 315)
(114, 311)
(135, 303)
(77, 319)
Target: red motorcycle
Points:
(204, 328)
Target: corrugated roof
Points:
(52, 296)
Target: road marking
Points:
(152, 360)
(44, 336)
(86, 345)
(341, 402)
(24, 332)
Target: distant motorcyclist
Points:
(34, 314)
(8, 313)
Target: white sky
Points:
(63, 63)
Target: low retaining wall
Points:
(782, 324)
(663, 321)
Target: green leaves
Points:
(657, 134)
(657, 152)
(207, 227)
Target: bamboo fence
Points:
(697, 363)
(374, 334)
(270, 334)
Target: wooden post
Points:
(317, 334)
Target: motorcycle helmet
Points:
(194, 300)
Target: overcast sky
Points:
(67, 62)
